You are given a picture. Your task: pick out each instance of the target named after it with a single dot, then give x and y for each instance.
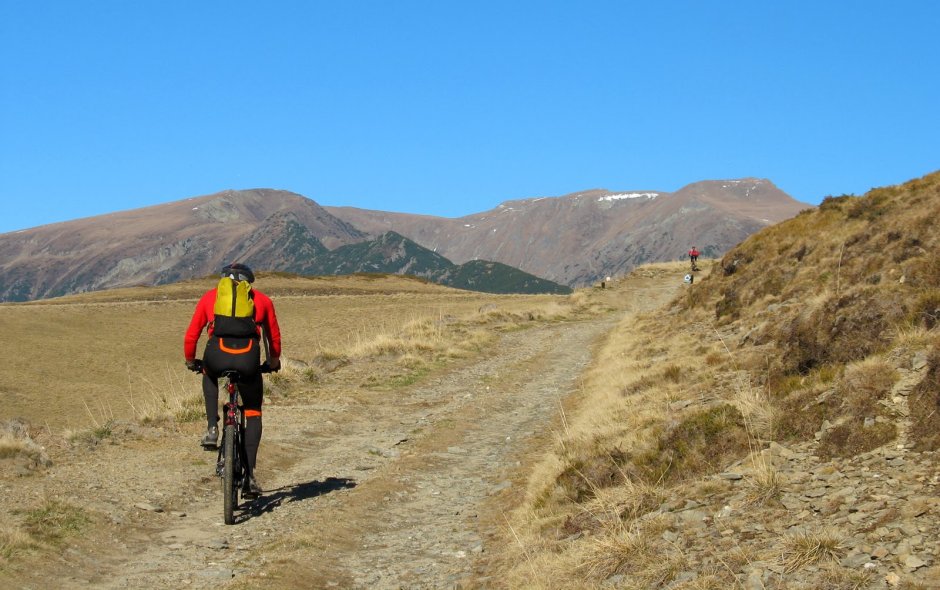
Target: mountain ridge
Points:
(573, 240)
(160, 244)
(579, 238)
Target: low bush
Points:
(924, 404)
(703, 442)
(854, 437)
(588, 472)
(863, 385)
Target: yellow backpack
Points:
(234, 309)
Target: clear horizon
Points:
(450, 109)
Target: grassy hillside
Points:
(775, 426)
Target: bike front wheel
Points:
(229, 488)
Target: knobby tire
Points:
(229, 488)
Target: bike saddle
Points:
(232, 374)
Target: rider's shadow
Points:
(298, 492)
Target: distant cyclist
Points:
(218, 358)
(693, 257)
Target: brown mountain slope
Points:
(775, 426)
(164, 243)
(578, 238)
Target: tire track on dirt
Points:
(415, 520)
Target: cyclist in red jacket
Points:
(251, 387)
(693, 256)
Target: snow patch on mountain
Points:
(621, 196)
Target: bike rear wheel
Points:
(229, 487)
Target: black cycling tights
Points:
(252, 393)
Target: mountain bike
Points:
(232, 463)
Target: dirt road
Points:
(380, 489)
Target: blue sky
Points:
(449, 108)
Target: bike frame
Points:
(232, 463)
(234, 423)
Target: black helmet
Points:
(239, 272)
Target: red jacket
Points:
(205, 314)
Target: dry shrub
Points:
(714, 358)
(793, 394)
(853, 438)
(759, 415)
(765, 483)
(637, 552)
(382, 345)
(590, 470)
(702, 442)
(330, 360)
(293, 376)
(612, 507)
(806, 547)
(14, 541)
(17, 446)
(580, 298)
(426, 337)
(864, 384)
(12, 447)
(672, 373)
(642, 384)
(925, 311)
(925, 406)
(836, 577)
(800, 414)
(844, 329)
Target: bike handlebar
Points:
(265, 367)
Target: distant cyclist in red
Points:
(693, 256)
(252, 387)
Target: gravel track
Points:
(384, 490)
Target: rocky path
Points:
(392, 489)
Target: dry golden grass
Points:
(809, 546)
(13, 541)
(46, 525)
(765, 483)
(626, 551)
(864, 384)
(164, 397)
(120, 351)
